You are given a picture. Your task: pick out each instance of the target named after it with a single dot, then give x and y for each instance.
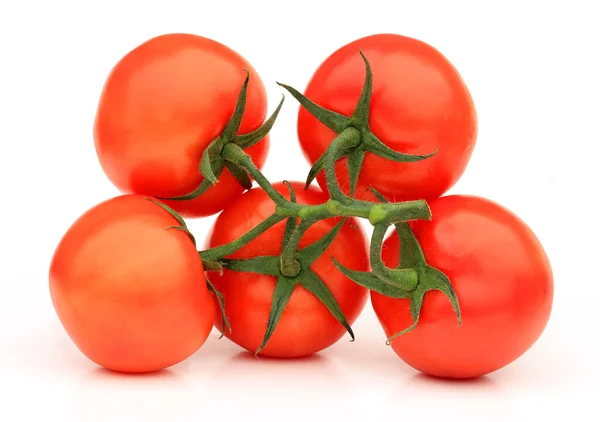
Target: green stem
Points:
(398, 212)
(333, 208)
(376, 244)
(342, 206)
(406, 278)
(216, 254)
(290, 267)
(309, 214)
(346, 140)
(236, 155)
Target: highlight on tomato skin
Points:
(161, 106)
(306, 326)
(419, 104)
(503, 280)
(130, 291)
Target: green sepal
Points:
(240, 174)
(185, 230)
(203, 187)
(182, 226)
(437, 280)
(378, 195)
(207, 161)
(234, 123)
(411, 254)
(249, 139)
(311, 282)
(372, 282)
(266, 264)
(315, 170)
(431, 279)
(216, 253)
(372, 144)
(309, 254)
(360, 116)
(334, 121)
(415, 304)
(355, 161)
(281, 295)
(170, 210)
(211, 166)
(221, 301)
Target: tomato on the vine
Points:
(129, 290)
(419, 104)
(161, 106)
(503, 281)
(306, 326)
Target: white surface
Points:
(533, 72)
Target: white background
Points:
(532, 68)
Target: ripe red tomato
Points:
(161, 106)
(419, 104)
(130, 292)
(306, 325)
(501, 276)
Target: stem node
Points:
(291, 269)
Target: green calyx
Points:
(411, 280)
(212, 163)
(285, 284)
(357, 137)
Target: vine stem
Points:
(377, 238)
(339, 205)
(290, 267)
(347, 139)
(406, 278)
(236, 155)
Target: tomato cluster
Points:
(181, 130)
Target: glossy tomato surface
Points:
(503, 281)
(130, 292)
(419, 104)
(161, 106)
(306, 325)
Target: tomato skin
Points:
(306, 326)
(419, 104)
(503, 281)
(130, 293)
(161, 106)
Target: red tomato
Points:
(419, 104)
(501, 276)
(161, 106)
(306, 325)
(130, 292)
